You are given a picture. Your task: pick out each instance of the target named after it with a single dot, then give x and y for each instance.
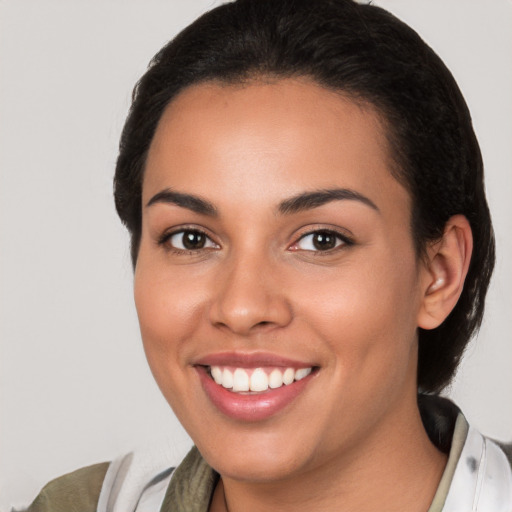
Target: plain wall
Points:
(74, 385)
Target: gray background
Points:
(75, 387)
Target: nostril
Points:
(263, 325)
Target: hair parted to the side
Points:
(366, 53)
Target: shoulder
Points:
(78, 491)
(143, 481)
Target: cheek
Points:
(167, 310)
(368, 315)
(167, 317)
(378, 293)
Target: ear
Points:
(445, 271)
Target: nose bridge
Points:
(248, 296)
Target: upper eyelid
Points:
(345, 240)
(334, 231)
(344, 234)
(168, 233)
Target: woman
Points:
(312, 246)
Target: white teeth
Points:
(275, 379)
(259, 380)
(227, 379)
(303, 372)
(288, 376)
(240, 380)
(217, 374)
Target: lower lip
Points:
(251, 407)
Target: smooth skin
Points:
(241, 273)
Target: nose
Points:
(249, 297)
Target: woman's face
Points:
(276, 253)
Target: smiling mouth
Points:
(253, 387)
(256, 380)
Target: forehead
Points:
(293, 134)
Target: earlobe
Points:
(445, 272)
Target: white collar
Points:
(482, 481)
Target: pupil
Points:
(193, 240)
(324, 241)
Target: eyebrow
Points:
(296, 204)
(188, 201)
(315, 199)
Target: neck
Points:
(395, 468)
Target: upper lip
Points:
(250, 360)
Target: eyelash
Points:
(342, 240)
(164, 241)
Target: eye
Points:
(321, 240)
(189, 240)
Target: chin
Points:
(256, 468)
(258, 458)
